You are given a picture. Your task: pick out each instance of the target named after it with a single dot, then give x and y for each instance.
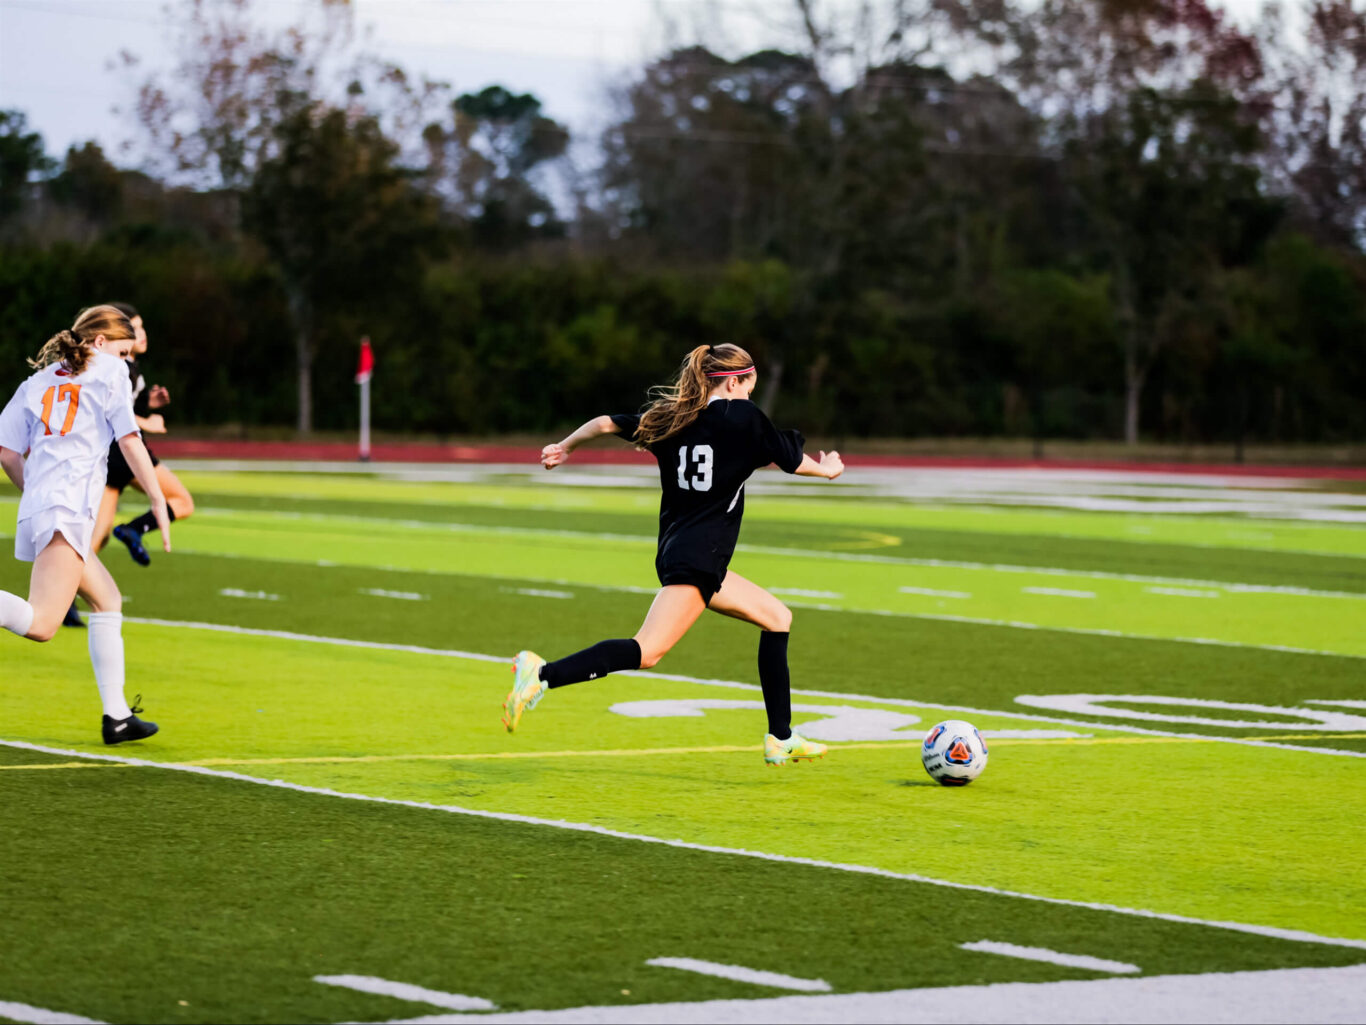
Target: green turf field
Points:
(1176, 708)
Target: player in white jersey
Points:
(65, 416)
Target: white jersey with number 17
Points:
(66, 423)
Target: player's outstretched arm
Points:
(13, 462)
(829, 466)
(558, 452)
(135, 452)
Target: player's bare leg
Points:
(178, 497)
(674, 610)
(104, 519)
(743, 599)
(179, 504)
(104, 522)
(52, 585)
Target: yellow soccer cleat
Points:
(527, 688)
(778, 752)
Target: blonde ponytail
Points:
(674, 406)
(72, 347)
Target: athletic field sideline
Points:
(333, 825)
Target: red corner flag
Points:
(367, 362)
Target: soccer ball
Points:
(954, 753)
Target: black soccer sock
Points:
(599, 660)
(147, 522)
(776, 683)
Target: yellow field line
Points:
(478, 755)
(881, 745)
(71, 765)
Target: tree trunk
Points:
(1134, 369)
(1133, 393)
(1241, 428)
(773, 377)
(301, 311)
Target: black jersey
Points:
(702, 474)
(118, 474)
(141, 399)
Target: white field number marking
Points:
(376, 592)
(40, 1016)
(346, 642)
(1095, 704)
(406, 991)
(237, 592)
(739, 974)
(1092, 964)
(841, 722)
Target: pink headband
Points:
(732, 373)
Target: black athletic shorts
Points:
(120, 474)
(707, 583)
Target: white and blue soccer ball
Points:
(954, 753)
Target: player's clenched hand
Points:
(832, 464)
(553, 455)
(154, 424)
(158, 397)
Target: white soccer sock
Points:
(16, 615)
(106, 655)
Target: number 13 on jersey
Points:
(701, 468)
(68, 393)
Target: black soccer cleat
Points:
(73, 617)
(130, 536)
(119, 731)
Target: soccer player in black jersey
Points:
(708, 438)
(146, 404)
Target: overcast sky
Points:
(55, 55)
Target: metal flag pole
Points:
(364, 372)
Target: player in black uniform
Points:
(146, 404)
(707, 438)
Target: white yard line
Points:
(1302, 996)
(1274, 932)
(414, 649)
(537, 592)
(729, 971)
(40, 1016)
(1091, 964)
(235, 592)
(1058, 592)
(823, 607)
(376, 592)
(1053, 571)
(406, 991)
(896, 614)
(1182, 592)
(1087, 631)
(933, 593)
(649, 540)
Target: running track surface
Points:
(416, 453)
